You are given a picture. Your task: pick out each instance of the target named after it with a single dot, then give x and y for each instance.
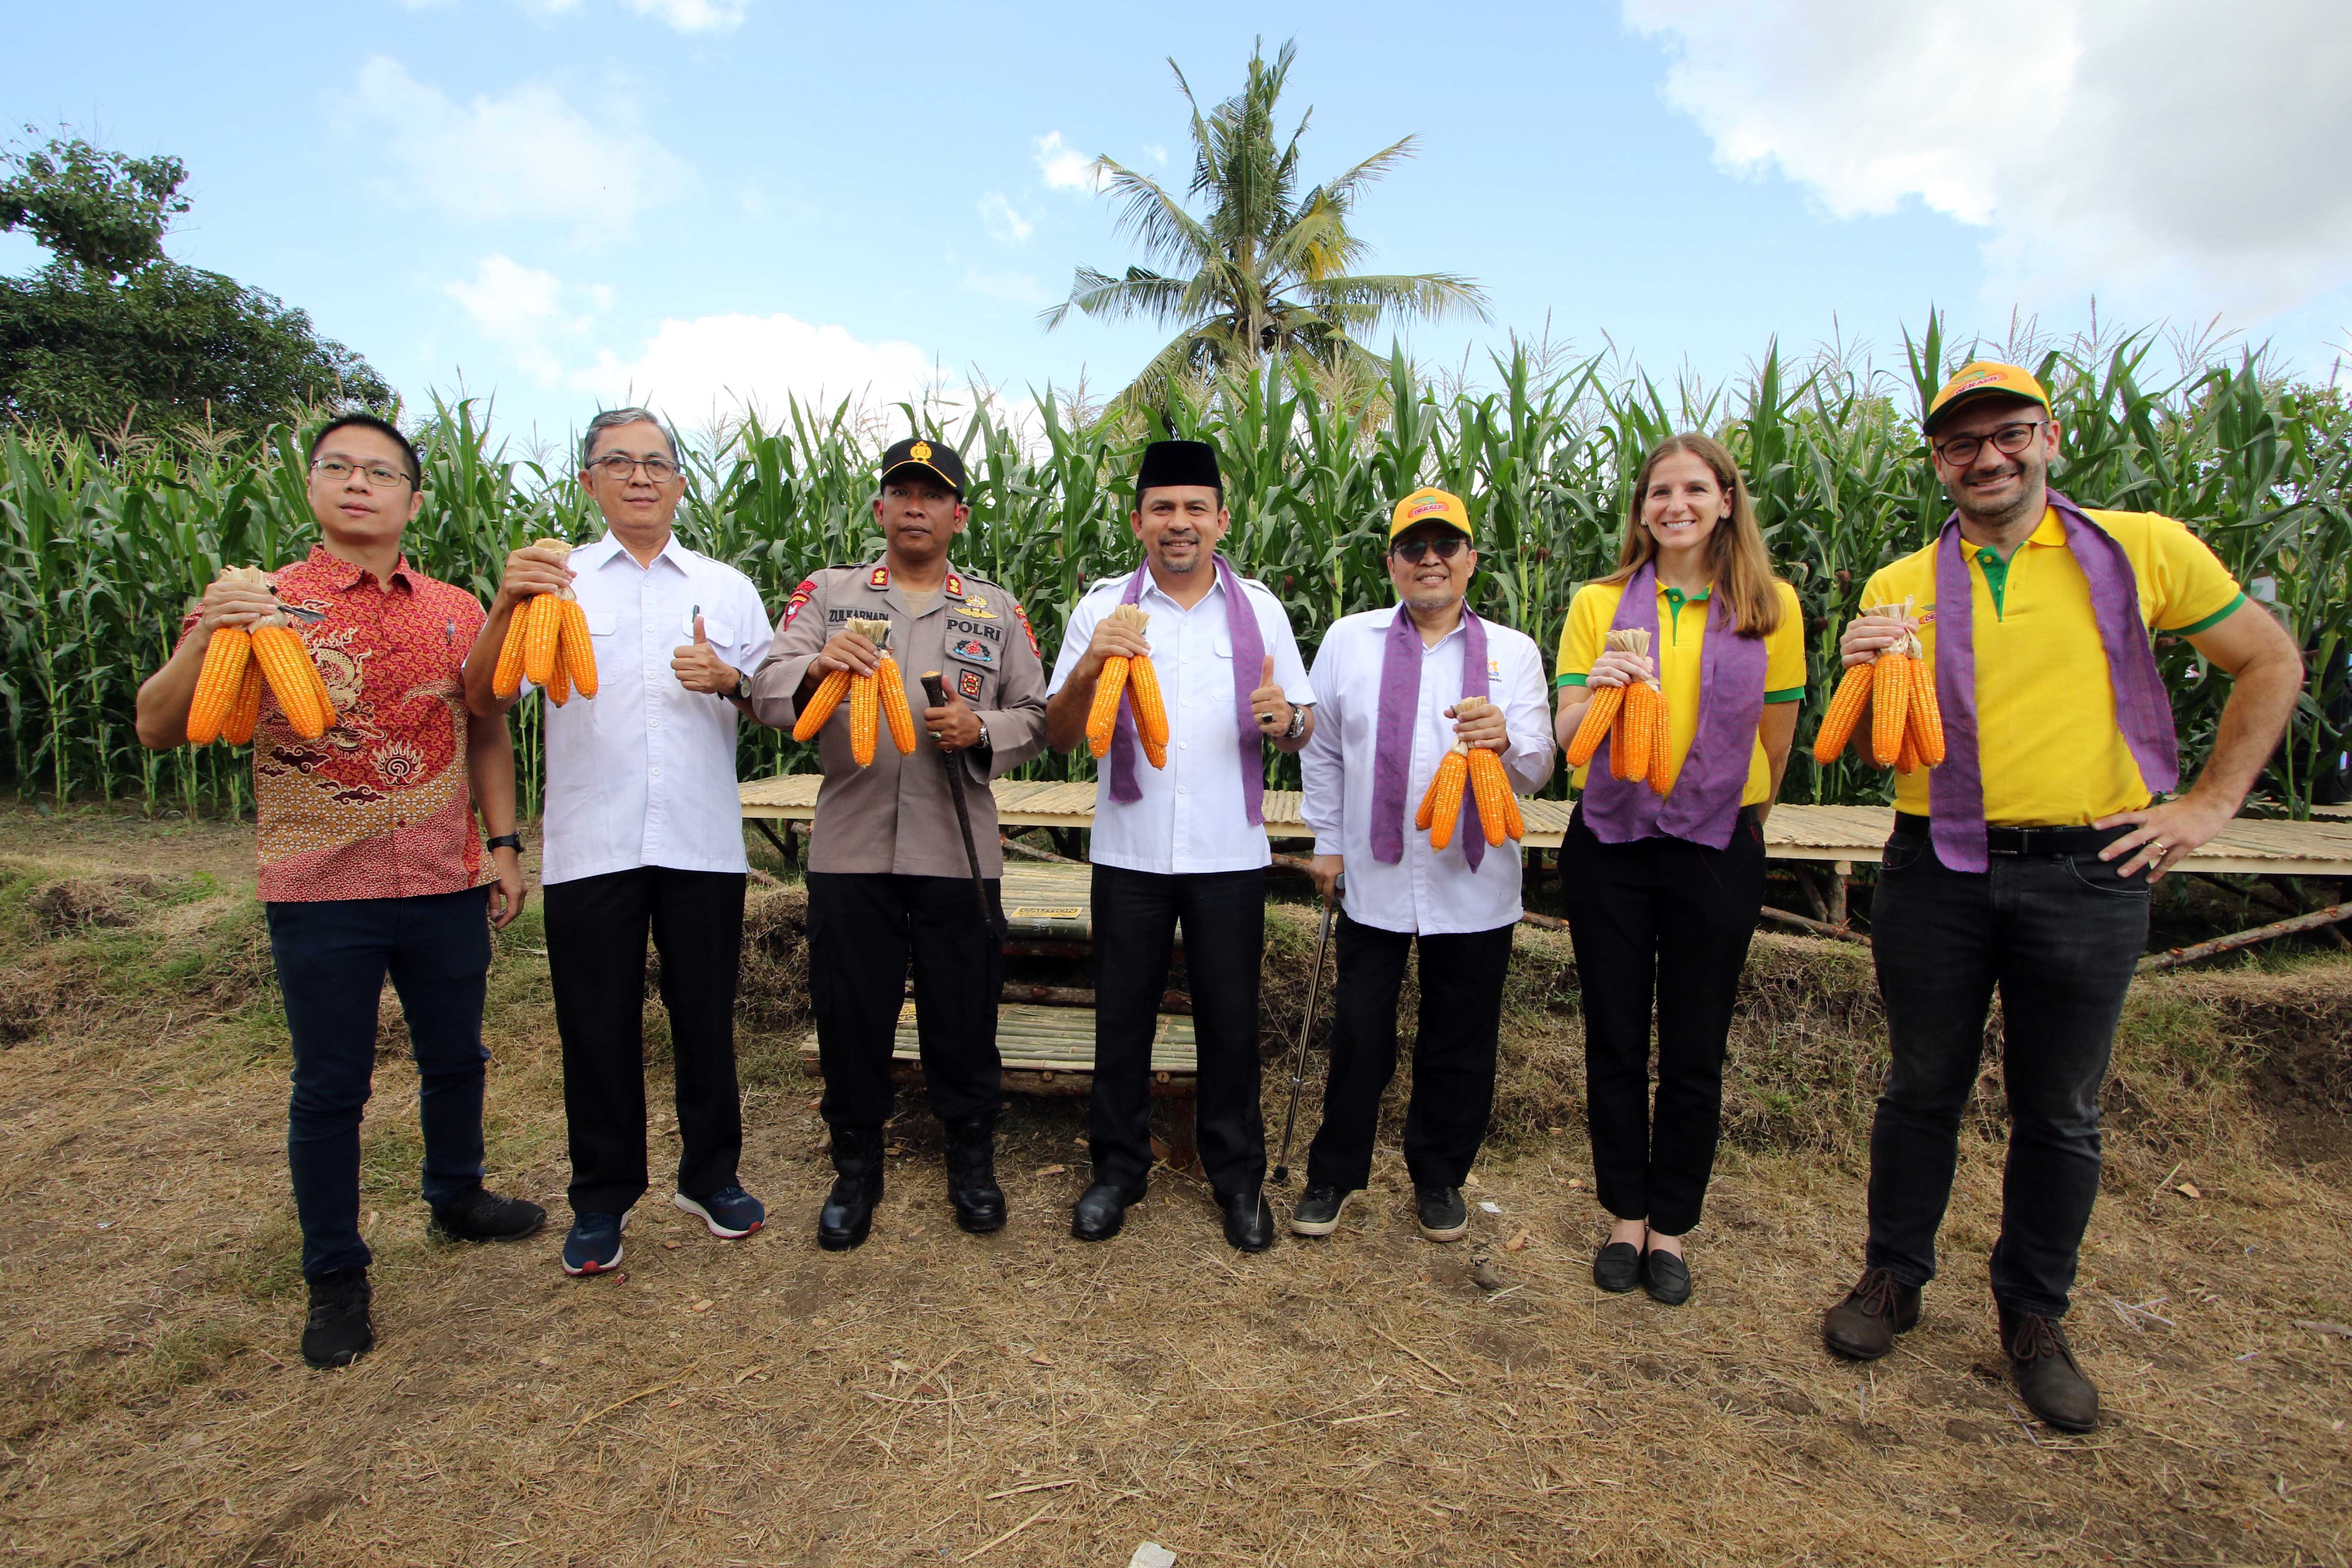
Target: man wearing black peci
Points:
(1184, 841)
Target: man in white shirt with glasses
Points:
(643, 834)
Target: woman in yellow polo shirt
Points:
(1662, 890)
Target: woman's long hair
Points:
(1736, 556)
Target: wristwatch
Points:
(981, 744)
(1297, 723)
(742, 692)
(504, 841)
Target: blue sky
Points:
(557, 202)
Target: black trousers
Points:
(863, 927)
(596, 930)
(2060, 936)
(1135, 919)
(1453, 1053)
(1669, 922)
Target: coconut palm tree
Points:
(1264, 269)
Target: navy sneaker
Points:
(595, 1245)
(732, 1213)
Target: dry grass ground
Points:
(1023, 1399)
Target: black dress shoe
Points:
(1249, 1220)
(483, 1216)
(1862, 1327)
(971, 1176)
(848, 1212)
(339, 1330)
(1666, 1277)
(1102, 1209)
(1617, 1267)
(2042, 1365)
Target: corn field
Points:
(104, 551)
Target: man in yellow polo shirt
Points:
(2025, 860)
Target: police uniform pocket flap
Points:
(603, 622)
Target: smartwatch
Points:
(504, 841)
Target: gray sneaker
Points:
(1318, 1210)
(1443, 1216)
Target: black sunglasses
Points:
(1411, 551)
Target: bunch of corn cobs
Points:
(1907, 723)
(1479, 769)
(227, 704)
(1632, 719)
(547, 639)
(873, 699)
(1139, 682)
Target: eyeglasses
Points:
(1448, 545)
(336, 471)
(616, 468)
(2008, 441)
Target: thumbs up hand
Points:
(699, 666)
(1273, 710)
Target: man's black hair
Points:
(380, 427)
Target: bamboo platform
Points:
(1839, 836)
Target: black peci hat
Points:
(936, 458)
(1178, 463)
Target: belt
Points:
(2026, 840)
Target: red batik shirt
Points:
(378, 807)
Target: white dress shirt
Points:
(643, 774)
(1191, 817)
(1429, 892)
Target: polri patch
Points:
(968, 682)
(973, 650)
(801, 595)
(1022, 616)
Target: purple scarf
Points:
(1704, 804)
(1392, 742)
(2143, 711)
(1249, 659)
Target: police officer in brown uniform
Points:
(887, 873)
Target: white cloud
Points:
(2174, 154)
(1002, 220)
(1156, 153)
(1013, 288)
(521, 310)
(695, 16)
(529, 155)
(716, 364)
(1065, 167)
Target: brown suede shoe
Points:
(1862, 1327)
(2042, 1366)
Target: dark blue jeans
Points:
(332, 957)
(2059, 935)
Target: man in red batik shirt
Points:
(369, 863)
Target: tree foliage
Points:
(1266, 268)
(113, 336)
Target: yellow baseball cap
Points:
(1429, 504)
(1982, 378)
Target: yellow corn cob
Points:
(1516, 828)
(821, 704)
(1907, 759)
(574, 647)
(1600, 715)
(1926, 726)
(559, 685)
(1661, 774)
(218, 681)
(890, 685)
(245, 713)
(282, 659)
(1637, 732)
(864, 719)
(1150, 708)
(542, 638)
(1844, 713)
(507, 680)
(1102, 719)
(1890, 703)
(1428, 807)
(1154, 752)
(1446, 795)
(1497, 809)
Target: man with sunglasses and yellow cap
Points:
(2023, 860)
(1387, 687)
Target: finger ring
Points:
(2160, 847)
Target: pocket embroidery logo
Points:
(972, 650)
(968, 683)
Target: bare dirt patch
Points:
(1023, 1399)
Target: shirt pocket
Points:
(603, 622)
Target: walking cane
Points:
(935, 692)
(1306, 1027)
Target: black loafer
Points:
(1617, 1267)
(1249, 1220)
(1666, 1277)
(1101, 1209)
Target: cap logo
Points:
(1982, 378)
(920, 452)
(1426, 505)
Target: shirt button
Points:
(1181, 790)
(656, 771)
(1183, 745)
(654, 723)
